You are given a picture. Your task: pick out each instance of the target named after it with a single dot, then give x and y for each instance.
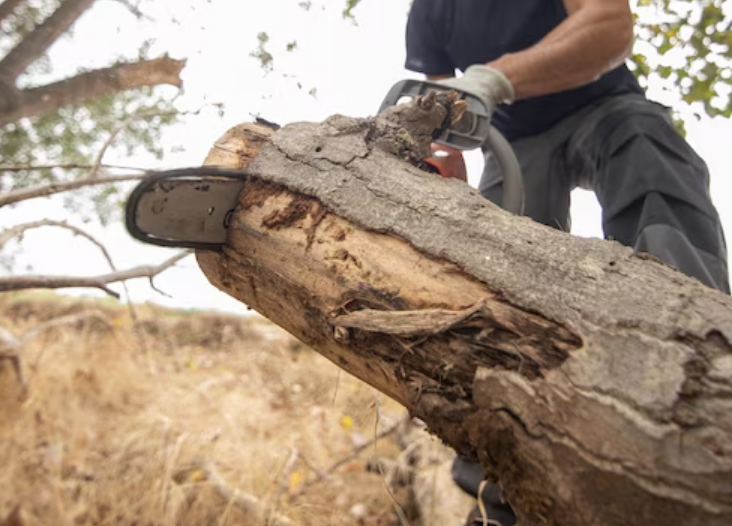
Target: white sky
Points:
(351, 66)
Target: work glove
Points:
(489, 84)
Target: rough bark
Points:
(594, 384)
(93, 84)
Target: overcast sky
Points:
(351, 68)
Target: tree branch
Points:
(11, 347)
(93, 84)
(134, 9)
(249, 504)
(34, 45)
(8, 7)
(322, 475)
(39, 329)
(99, 282)
(69, 166)
(18, 230)
(45, 190)
(125, 123)
(94, 172)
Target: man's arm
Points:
(596, 37)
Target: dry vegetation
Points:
(127, 426)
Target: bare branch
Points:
(322, 475)
(18, 230)
(10, 350)
(93, 84)
(249, 504)
(70, 166)
(39, 329)
(103, 150)
(284, 481)
(45, 190)
(8, 7)
(129, 120)
(34, 45)
(11, 347)
(134, 9)
(99, 282)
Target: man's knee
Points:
(654, 191)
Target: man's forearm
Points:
(593, 40)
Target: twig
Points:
(10, 350)
(134, 9)
(63, 320)
(132, 118)
(11, 347)
(284, 482)
(120, 128)
(56, 188)
(98, 282)
(19, 230)
(68, 166)
(322, 475)
(247, 503)
(397, 507)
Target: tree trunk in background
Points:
(595, 385)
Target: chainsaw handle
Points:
(480, 133)
(513, 181)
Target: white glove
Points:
(488, 83)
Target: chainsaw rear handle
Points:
(513, 181)
(474, 131)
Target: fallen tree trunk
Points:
(595, 385)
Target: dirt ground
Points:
(191, 418)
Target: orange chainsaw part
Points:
(448, 162)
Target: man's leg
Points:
(546, 179)
(654, 191)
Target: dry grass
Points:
(109, 424)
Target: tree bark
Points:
(594, 384)
(34, 45)
(93, 84)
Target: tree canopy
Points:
(53, 118)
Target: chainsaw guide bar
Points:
(190, 207)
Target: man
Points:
(553, 73)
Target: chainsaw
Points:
(193, 207)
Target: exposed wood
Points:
(596, 385)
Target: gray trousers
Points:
(653, 188)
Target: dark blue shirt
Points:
(444, 35)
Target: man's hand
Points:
(488, 83)
(448, 161)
